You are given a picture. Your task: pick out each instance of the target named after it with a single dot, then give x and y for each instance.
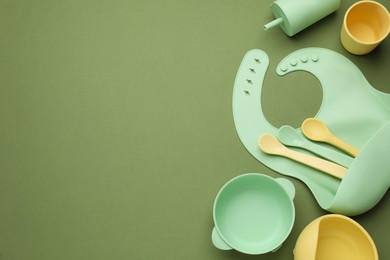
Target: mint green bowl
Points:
(253, 214)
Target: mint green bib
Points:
(354, 111)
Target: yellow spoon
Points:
(316, 130)
(269, 144)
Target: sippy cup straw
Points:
(295, 15)
(273, 23)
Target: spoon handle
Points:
(346, 147)
(316, 163)
(329, 154)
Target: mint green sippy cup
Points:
(295, 15)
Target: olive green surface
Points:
(116, 124)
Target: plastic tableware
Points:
(316, 130)
(366, 24)
(349, 101)
(295, 15)
(351, 107)
(253, 214)
(335, 237)
(269, 144)
(288, 135)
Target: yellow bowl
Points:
(335, 237)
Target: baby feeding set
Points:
(254, 213)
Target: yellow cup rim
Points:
(357, 225)
(351, 35)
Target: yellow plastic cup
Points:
(335, 237)
(366, 24)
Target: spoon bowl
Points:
(316, 130)
(287, 135)
(269, 144)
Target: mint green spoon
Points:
(287, 135)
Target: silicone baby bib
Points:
(351, 107)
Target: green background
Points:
(116, 124)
